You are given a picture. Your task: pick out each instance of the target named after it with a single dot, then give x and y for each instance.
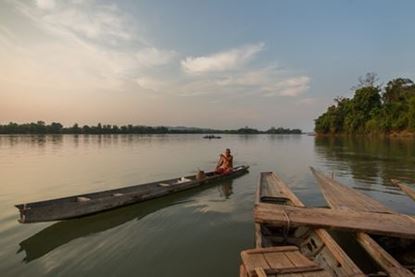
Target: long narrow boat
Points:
(288, 251)
(90, 203)
(405, 188)
(394, 256)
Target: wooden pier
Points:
(291, 239)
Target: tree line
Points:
(40, 127)
(373, 109)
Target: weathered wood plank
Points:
(283, 189)
(284, 260)
(405, 188)
(293, 270)
(278, 260)
(242, 271)
(299, 260)
(252, 261)
(260, 272)
(384, 224)
(346, 266)
(393, 267)
(320, 273)
(285, 248)
(258, 236)
(340, 196)
(337, 196)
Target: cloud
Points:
(222, 61)
(80, 45)
(46, 4)
(150, 83)
(93, 21)
(289, 87)
(154, 57)
(294, 86)
(267, 81)
(307, 101)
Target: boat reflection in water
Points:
(61, 233)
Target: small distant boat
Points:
(212, 137)
(91, 203)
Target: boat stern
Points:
(22, 211)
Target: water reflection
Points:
(367, 159)
(85, 139)
(393, 191)
(32, 140)
(225, 190)
(63, 232)
(287, 137)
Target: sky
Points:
(214, 64)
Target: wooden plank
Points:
(283, 189)
(242, 271)
(260, 272)
(285, 248)
(340, 196)
(258, 236)
(383, 224)
(278, 260)
(393, 267)
(321, 273)
(405, 188)
(300, 260)
(286, 260)
(346, 266)
(252, 261)
(293, 270)
(337, 196)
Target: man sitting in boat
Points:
(225, 163)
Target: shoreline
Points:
(402, 134)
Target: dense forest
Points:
(41, 127)
(373, 109)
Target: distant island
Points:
(40, 127)
(373, 110)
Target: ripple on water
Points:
(174, 230)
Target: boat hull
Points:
(87, 204)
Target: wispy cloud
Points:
(154, 57)
(83, 19)
(222, 61)
(268, 81)
(307, 101)
(151, 83)
(85, 45)
(46, 4)
(289, 87)
(90, 52)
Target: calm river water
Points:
(195, 233)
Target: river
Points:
(195, 233)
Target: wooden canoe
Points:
(292, 251)
(91, 203)
(389, 253)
